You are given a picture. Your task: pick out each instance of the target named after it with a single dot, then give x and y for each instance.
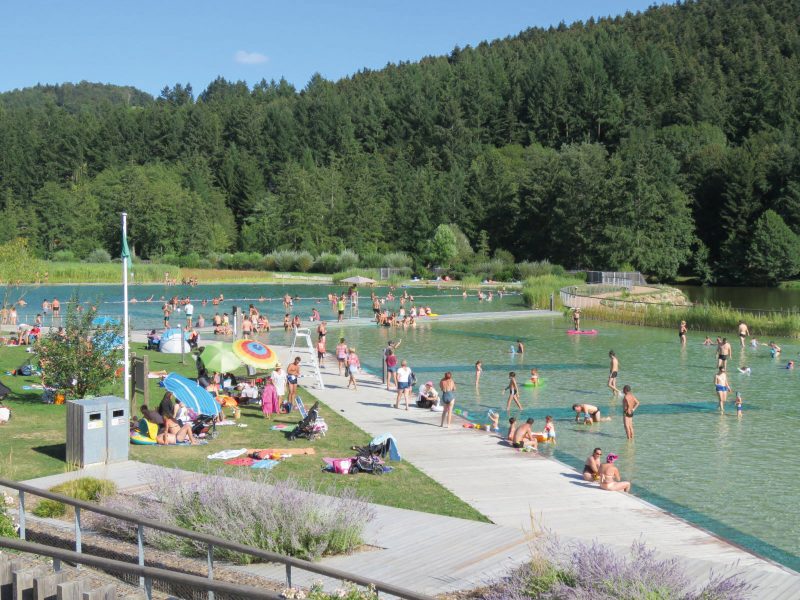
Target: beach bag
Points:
(412, 379)
(25, 371)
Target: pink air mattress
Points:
(582, 332)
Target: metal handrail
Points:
(211, 540)
(150, 574)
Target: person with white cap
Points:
(428, 396)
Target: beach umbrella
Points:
(255, 354)
(358, 279)
(218, 356)
(191, 394)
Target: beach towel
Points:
(394, 451)
(227, 454)
(289, 451)
(240, 462)
(278, 427)
(270, 403)
(264, 464)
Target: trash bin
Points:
(118, 428)
(87, 441)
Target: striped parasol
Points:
(255, 354)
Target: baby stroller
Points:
(311, 427)
(204, 426)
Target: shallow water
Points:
(733, 477)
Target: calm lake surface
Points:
(734, 477)
(745, 297)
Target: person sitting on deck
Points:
(524, 437)
(428, 396)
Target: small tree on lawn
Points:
(81, 359)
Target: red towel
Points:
(240, 462)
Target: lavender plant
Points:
(597, 572)
(281, 516)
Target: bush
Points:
(63, 256)
(190, 261)
(347, 260)
(373, 260)
(88, 489)
(304, 261)
(597, 571)
(98, 255)
(326, 262)
(287, 516)
(397, 260)
(504, 256)
(7, 527)
(285, 260)
(537, 268)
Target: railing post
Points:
(78, 544)
(288, 575)
(148, 588)
(140, 544)
(210, 569)
(21, 515)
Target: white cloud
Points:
(250, 58)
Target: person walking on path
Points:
(391, 369)
(744, 332)
(403, 384)
(722, 388)
(629, 405)
(613, 372)
(353, 366)
(270, 404)
(448, 387)
(341, 355)
(610, 478)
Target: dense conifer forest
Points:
(666, 141)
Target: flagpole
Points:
(126, 368)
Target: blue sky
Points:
(151, 44)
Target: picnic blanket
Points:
(264, 464)
(227, 454)
(242, 461)
(292, 451)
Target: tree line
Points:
(665, 141)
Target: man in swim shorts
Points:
(591, 412)
(743, 332)
(629, 405)
(523, 436)
(613, 372)
(724, 353)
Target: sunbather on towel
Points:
(173, 433)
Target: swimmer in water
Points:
(708, 342)
(520, 347)
(613, 372)
(745, 370)
(722, 387)
(738, 405)
(534, 377)
(790, 364)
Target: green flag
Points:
(126, 253)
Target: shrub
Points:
(373, 260)
(189, 261)
(287, 516)
(88, 489)
(326, 262)
(597, 571)
(285, 260)
(7, 527)
(347, 260)
(304, 261)
(98, 255)
(504, 256)
(397, 260)
(537, 268)
(63, 256)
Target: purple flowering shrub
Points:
(286, 517)
(597, 572)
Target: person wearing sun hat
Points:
(279, 381)
(610, 478)
(428, 396)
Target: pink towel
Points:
(269, 400)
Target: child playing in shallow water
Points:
(513, 391)
(534, 377)
(738, 405)
(549, 428)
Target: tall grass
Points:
(536, 291)
(702, 317)
(78, 272)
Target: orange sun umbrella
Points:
(255, 354)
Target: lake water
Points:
(746, 297)
(734, 477)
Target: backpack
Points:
(25, 371)
(412, 379)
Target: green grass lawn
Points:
(32, 444)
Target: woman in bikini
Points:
(610, 478)
(292, 377)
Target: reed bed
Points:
(78, 272)
(701, 317)
(536, 291)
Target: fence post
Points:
(78, 544)
(288, 575)
(552, 301)
(140, 545)
(210, 569)
(22, 515)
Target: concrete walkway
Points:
(421, 551)
(514, 488)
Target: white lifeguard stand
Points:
(303, 347)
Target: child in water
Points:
(512, 428)
(738, 405)
(513, 391)
(494, 418)
(549, 428)
(534, 377)
(478, 371)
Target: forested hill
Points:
(74, 97)
(666, 140)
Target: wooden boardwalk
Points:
(513, 488)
